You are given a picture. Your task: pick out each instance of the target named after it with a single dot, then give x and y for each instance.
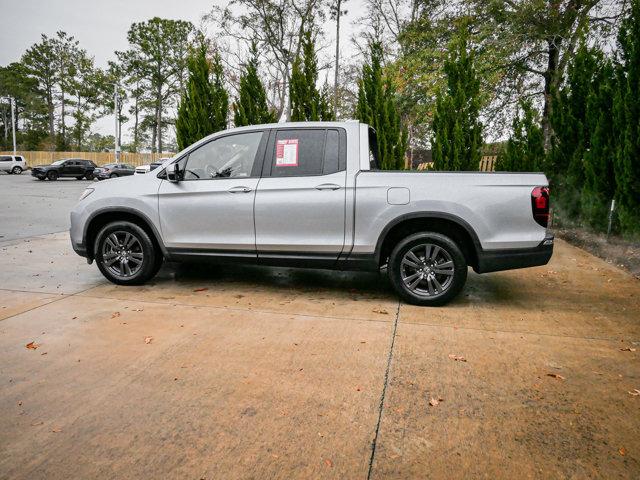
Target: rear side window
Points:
(306, 152)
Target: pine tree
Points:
(457, 132)
(377, 106)
(204, 103)
(598, 161)
(627, 116)
(572, 138)
(220, 107)
(307, 103)
(250, 108)
(525, 148)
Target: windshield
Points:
(59, 162)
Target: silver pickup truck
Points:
(310, 195)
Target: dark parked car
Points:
(69, 167)
(113, 170)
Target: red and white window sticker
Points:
(287, 153)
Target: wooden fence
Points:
(487, 164)
(99, 158)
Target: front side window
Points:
(227, 157)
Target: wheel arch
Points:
(447, 224)
(102, 217)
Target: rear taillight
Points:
(540, 205)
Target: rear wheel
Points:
(52, 175)
(89, 176)
(427, 269)
(79, 178)
(125, 254)
(16, 170)
(113, 175)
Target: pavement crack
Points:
(374, 443)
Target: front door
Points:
(210, 211)
(300, 203)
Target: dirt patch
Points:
(615, 250)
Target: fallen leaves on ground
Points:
(380, 311)
(555, 375)
(56, 430)
(622, 451)
(457, 358)
(115, 314)
(435, 401)
(148, 340)
(627, 349)
(204, 289)
(635, 392)
(32, 345)
(328, 462)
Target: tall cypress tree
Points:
(627, 115)
(457, 132)
(525, 148)
(250, 108)
(307, 103)
(220, 109)
(377, 106)
(598, 161)
(572, 133)
(203, 105)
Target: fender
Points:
(130, 211)
(427, 215)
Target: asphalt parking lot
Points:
(242, 372)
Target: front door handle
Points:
(239, 190)
(328, 186)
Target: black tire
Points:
(436, 286)
(113, 175)
(79, 178)
(40, 178)
(89, 176)
(143, 249)
(17, 170)
(52, 175)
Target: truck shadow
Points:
(326, 282)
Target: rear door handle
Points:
(328, 186)
(239, 190)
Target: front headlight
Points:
(86, 193)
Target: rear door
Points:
(300, 202)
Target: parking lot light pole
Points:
(12, 103)
(117, 129)
(13, 123)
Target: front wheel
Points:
(53, 175)
(125, 254)
(89, 176)
(427, 269)
(16, 170)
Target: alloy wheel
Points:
(427, 270)
(122, 254)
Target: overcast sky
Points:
(101, 26)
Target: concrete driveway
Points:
(227, 372)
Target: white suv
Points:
(12, 164)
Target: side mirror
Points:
(174, 173)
